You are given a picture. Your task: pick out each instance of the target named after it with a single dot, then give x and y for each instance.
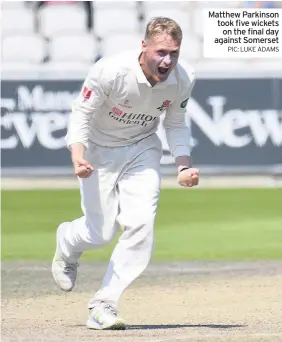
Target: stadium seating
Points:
(23, 48)
(17, 20)
(121, 41)
(73, 48)
(156, 5)
(267, 65)
(115, 20)
(182, 18)
(222, 66)
(35, 37)
(123, 5)
(22, 53)
(6, 4)
(191, 48)
(197, 22)
(51, 23)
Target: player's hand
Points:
(189, 177)
(82, 168)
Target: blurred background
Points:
(47, 47)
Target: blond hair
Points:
(159, 25)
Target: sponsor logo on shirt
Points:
(86, 93)
(131, 118)
(117, 111)
(164, 106)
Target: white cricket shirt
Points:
(117, 106)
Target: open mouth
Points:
(163, 71)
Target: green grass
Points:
(191, 224)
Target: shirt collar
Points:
(138, 70)
(142, 78)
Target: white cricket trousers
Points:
(122, 190)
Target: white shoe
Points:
(64, 273)
(104, 316)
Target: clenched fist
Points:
(188, 177)
(82, 168)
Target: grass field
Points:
(200, 224)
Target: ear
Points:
(144, 46)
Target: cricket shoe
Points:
(104, 317)
(64, 272)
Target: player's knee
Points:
(142, 226)
(100, 236)
(145, 219)
(144, 239)
(106, 238)
(100, 239)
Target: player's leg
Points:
(138, 194)
(99, 202)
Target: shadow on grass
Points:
(175, 326)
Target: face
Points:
(160, 55)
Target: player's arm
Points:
(179, 137)
(94, 91)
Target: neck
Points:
(145, 70)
